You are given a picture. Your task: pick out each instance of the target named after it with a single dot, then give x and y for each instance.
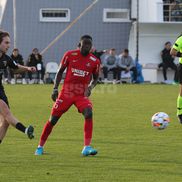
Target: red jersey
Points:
(79, 71)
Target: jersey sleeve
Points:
(97, 68)
(11, 63)
(178, 44)
(65, 60)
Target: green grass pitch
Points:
(129, 148)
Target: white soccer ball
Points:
(160, 120)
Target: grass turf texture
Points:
(129, 148)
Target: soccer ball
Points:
(160, 120)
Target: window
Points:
(116, 15)
(54, 15)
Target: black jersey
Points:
(6, 61)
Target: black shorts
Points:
(4, 97)
(180, 73)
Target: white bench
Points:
(153, 74)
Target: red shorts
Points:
(63, 103)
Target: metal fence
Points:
(172, 12)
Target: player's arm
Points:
(175, 51)
(57, 81)
(22, 68)
(17, 67)
(94, 81)
(92, 84)
(59, 75)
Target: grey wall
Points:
(33, 33)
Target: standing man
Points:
(81, 77)
(6, 117)
(177, 51)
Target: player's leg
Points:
(88, 126)
(10, 119)
(47, 129)
(3, 128)
(60, 106)
(179, 99)
(88, 130)
(85, 107)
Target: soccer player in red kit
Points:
(81, 77)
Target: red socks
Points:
(88, 127)
(45, 133)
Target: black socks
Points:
(20, 127)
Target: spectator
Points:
(109, 63)
(35, 59)
(126, 63)
(168, 62)
(97, 53)
(19, 60)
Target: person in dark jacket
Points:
(168, 62)
(35, 59)
(17, 57)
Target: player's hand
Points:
(88, 91)
(32, 69)
(54, 95)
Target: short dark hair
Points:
(35, 49)
(86, 37)
(167, 43)
(15, 49)
(126, 50)
(3, 34)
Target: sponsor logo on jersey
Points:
(74, 53)
(88, 65)
(80, 73)
(75, 61)
(59, 100)
(92, 58)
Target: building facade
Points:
(36, 23)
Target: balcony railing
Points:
(172, 12)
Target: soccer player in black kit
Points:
(6, 117)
